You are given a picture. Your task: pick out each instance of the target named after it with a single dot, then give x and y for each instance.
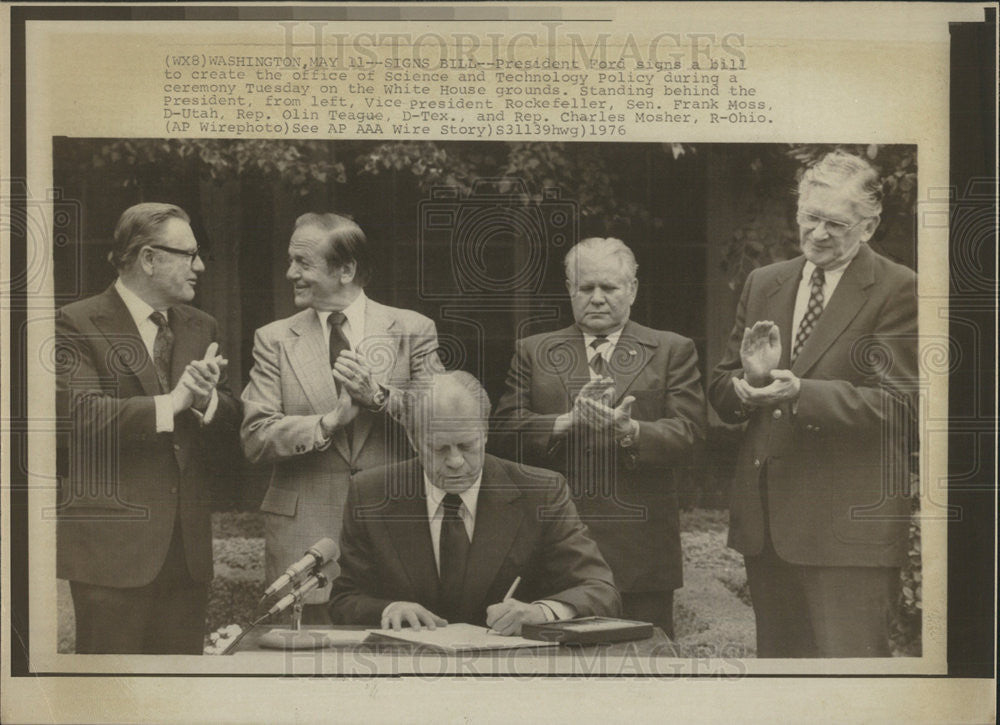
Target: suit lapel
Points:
(849, 297)
(405, 519)
(115, 322)
(498, 520)
(310, 360)
(380, 349)
(781, 308)
(634, 351)
(190, 341)
(568, 360)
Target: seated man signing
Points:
(441, 538)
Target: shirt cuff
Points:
(556, 611)
(206, 417)
(164, 413)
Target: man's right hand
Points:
(760, 352)
(602, 389)
(398, 614)
(182, 396)
(344, 413)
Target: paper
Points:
(460, 637)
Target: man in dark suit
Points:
(615, 406)
(441, 539)
(321, 386)
(821, 364)
(143, 390)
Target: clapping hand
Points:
(345, 411)
(352, 372)
(760, 352)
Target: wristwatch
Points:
(379, 399)
(629, 440)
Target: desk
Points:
(649, 656)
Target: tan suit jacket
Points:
(291, 387)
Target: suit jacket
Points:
(291, 387)
(124, 484)
(526, 526)
(626, 496)
(837, 464)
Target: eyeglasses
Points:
(191, 255)
(833, 228)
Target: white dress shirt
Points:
(604, 352)
(140, 311)
(831, 278)
(354, 325)
(467, 511)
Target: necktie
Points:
(813, 310)
(338, 341)
(597, 363)
(454, 552)
(163, 347)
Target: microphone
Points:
(313, 581)
(317, 555)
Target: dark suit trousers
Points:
(166, 616)
(818, 611)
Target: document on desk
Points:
(459, 638)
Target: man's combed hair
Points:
(838, 168)
(346, 242)
(138, 226)
(601, 246)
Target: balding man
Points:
(821, 365)
(442, 538)
(616, 406)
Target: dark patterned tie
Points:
(338, 341)
(454, 553)
(597, 363)
(813, 310)
(163, 347)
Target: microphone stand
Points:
(296, 637)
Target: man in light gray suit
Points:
(322, 387)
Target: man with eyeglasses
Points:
(143, 390)
(821, 365)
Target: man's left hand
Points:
(351, 371)
(205, 375)
(506, 617)
(599, 416)
(785, 387)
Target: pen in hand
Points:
(513, 587)
(506, 598)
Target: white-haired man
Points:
(616, 406)
(821, 364)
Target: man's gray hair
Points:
(138, 226)
(839, 168)
(601, 246)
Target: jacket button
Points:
(816, 429)
(355, 471)
(177, 446)
(809, 426)
(173, 489)
(776, 414)
(756, 462)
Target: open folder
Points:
(457, 638)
